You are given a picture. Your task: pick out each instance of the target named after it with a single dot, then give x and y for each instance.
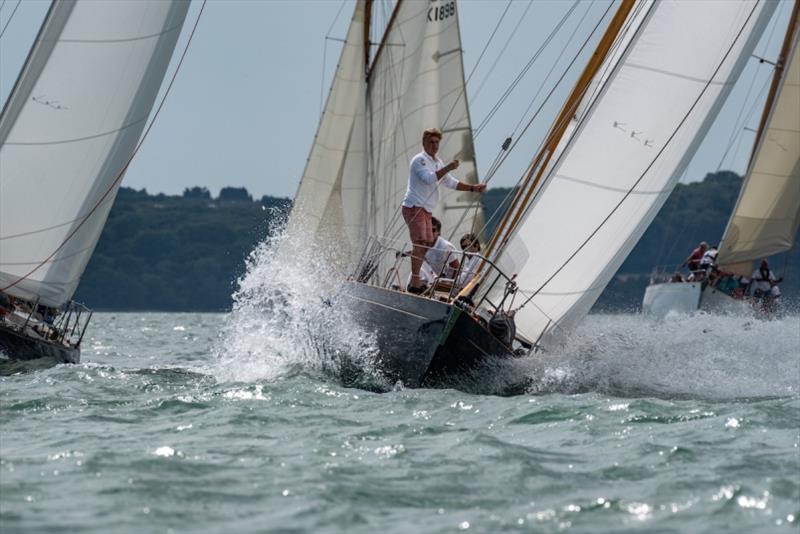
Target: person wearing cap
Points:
(426, 173)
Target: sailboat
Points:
(68, 132)
(766, 216)
(648, 94)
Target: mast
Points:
(780, 66)
(537, 168)
(386, 31)
(751, 233)
(367, 28)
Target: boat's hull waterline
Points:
(25, 347)
(421, 341)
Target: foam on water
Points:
(283, 321)
(698, 356)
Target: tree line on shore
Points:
(186, 252)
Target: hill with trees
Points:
(185, 253)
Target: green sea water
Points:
(218, 423)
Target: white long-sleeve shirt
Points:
(423, 190)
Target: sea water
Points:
(242, 422)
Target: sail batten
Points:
(68, 131)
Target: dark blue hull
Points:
(421, 341)
(20, 347)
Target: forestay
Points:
(631, 144)
(69, 129)
(767, 213)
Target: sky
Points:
(246, 102)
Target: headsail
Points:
(660, 92)
(69, 129)
(767, 214)
(330, 196)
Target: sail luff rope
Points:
(127, 164)
(650, 165)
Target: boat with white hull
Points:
(767, 213)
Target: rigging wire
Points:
(462, 93)
(559, 125)
(525, 70)
(552, 69)
(549, 95)
(325, 55)
(740, 126)
(11, 16)
(647, 169)
(547, 98)
(737, 131)
(735, 138)
(502, 50)
(116, 181)
(392, 227)
(506, 149)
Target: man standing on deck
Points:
(426, 173)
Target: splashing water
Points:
(693, 356)
(283, 320)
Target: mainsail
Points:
(767, 213)
(357, 171)
(658, 94)
(67, 133)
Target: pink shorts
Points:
(419, 225)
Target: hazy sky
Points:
(246, 103)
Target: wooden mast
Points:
(791, 33)
(383, 38)
(745, 267)
(536, 170)
(367, 28)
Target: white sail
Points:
(330, 197)
(417, 82)
(69, 129)
(659, 97)
(767, 213)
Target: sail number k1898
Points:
(441, 12)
